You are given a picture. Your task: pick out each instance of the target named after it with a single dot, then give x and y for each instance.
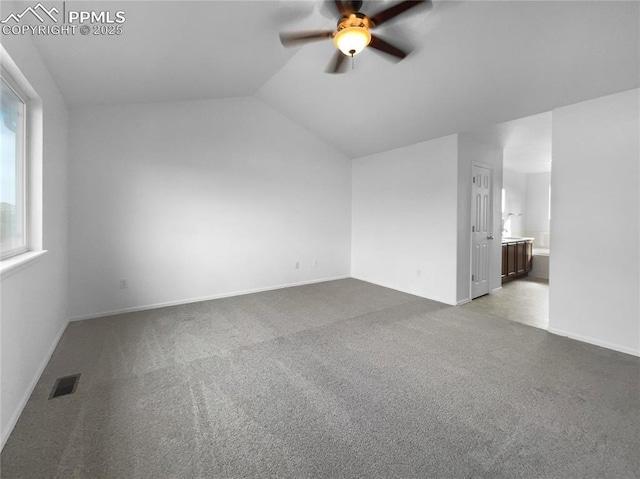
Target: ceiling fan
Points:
(353, 33)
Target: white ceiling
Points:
(528, 159)
(526, 142)
(475, 63)
(171, 50)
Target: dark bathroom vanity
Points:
(517, 257)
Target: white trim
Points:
(16, 263)
(495, 290)
(413, 293)
(463, 301)
(23, 402)
(596, 342)
(203, 298)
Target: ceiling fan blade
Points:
(354, 5)
(329, 8)
(391, 12)
(292, 39)
(343, 10)
(338, 63)
(385, 47)
(289, 12)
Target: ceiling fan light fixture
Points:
(352, 34)
(352, 40)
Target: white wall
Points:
(404, 219)
(595, 268)
(515, 185)
(34, 306)
(537, 208)
(192, 200)
(471, 150)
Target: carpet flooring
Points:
(341, 379)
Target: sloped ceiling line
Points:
(477, 63)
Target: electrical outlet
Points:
(124, 284)
(297, 265)
(315, 263)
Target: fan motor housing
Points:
(356, 19)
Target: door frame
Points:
(492, 176)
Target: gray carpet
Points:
(335, 380)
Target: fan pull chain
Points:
(352, 62)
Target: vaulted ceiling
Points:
(474, 63)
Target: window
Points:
(21, 146)
(13, 188)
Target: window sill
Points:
(11, 265)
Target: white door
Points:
(481, 231)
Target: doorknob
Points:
(490, 237)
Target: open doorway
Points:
(526, 221)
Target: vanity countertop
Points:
(514, 239)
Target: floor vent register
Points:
(64, 386)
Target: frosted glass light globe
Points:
(352, 40)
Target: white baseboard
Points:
(203, 298)
(595, 342)
(468, 300)
(413, 293)
(23, 402)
